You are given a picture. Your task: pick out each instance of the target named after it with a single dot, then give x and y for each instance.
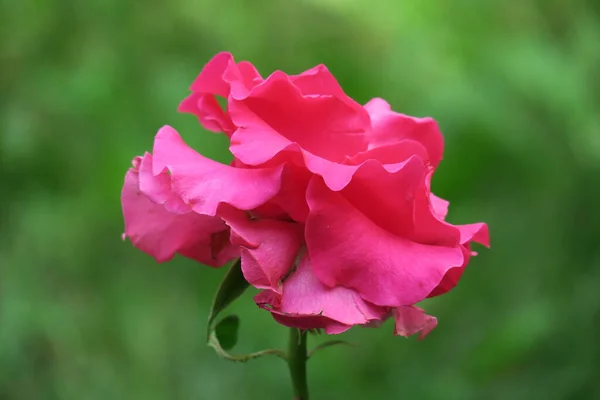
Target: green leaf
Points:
(224, 337)
(227, 331)
(232, 287)
(329, 344)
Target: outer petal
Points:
(278, 124)
(411, 320)
(478, 232)
(318, 81)
(242, 78)
(391, 127)
(266, 300)
(427, 226)
(439, 206)
(162, 233)
(292, 196)
(205, 184)
(348, 249)
(473, 232)
(264, 149)
(209, 112)
(268, 247)
(392, 153)
(306, 301)
(221, 76)
(452, 277)
(325, 126)
(210, 80)
(330, 326)
(387, 198)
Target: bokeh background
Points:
(515, 86)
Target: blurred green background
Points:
(515, 86)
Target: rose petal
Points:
(348, 249)
(162, 233)
(330, 326)
(280, 115)
(292, 195)
(478, 232)
(318, 81)
(209, 112)
(390, 200)
(221, 76)
(439, 206)
(270, 301)
(306, 301)
(268, 250)
(391, 127)
(473, 232)
(427, 226)
(411, 320)
(392, 153)
(259, 142)
(205, 184)
(210, 80)
(241, 78)
(452, 276)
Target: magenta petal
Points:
(330, 326)
(392, 153)
(161, 233)
(268, 247)
(391, 127)
(427, 226)
(390, 200)
(292, 196)
(304, 294)
(221, 76)
(472, 232)
(202, 102)
(346, 248)
(478, 232)
(209, 112)
(241, 78)
(411, 320)
(210, 80)
(318, 81)
(156, 187)
(205, 184)
(271, 301)
(452, 276)
(268, 298)
(258, 143)
(305, 300)
(439, 206)
(277, 114)
(258, 146)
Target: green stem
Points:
(297, 362)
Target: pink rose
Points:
(327, 202)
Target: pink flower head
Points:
(328, 203)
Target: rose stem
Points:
(297, 363)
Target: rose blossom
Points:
(327, 202)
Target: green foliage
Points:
(227, 331)
(223, 336)
(232, 287)
(514, 86)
